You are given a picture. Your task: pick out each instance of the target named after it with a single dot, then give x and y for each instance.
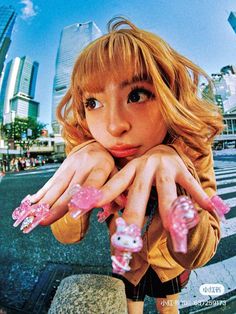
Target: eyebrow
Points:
(136, 79)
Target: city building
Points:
(232, 20)
(228, 137)
(18, 90)
(7, 20)
(73, 39)
(225, 89)
(224, 95)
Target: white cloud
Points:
(29, 10)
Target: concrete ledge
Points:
(89, 293)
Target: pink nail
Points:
(220, 207)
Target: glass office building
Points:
(232, 20)
(7, 20)
(73, 39)
(18, 89)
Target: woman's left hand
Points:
(160, 166)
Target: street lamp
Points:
(9, 118)
(8, 161)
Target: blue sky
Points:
(197, 29)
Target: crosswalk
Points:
(222, 268)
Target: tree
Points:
(23, 132)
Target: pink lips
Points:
(122, 151)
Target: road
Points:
(33, 265)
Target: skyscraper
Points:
(7, 20)
(18, 89)
(232, 20)
(73, 39)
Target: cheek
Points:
(155, 130)
(96, 128)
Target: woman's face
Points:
(125, 118)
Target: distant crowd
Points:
(20, 163)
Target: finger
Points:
(56, 212)
(121, 199)
(192, 186)
(53, 180)
(138, 196)
(58, 188)
(59, 196)
(96, 178)
(117, 184)
(34, 198)
(167, 193)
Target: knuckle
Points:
(152, 161)
(100, 173)
(107, 191)
(139, 186)
(164, 179)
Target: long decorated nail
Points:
(183, 216)
(38, 213)
(29, 215)
(21, 212)
(220, 207)
(104, 213)
(83, 200)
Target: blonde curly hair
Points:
(127, 51)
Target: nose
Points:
(118, 122)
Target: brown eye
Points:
(139, 95)
(92, 103)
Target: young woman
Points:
(133, 103)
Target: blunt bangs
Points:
(114, 57)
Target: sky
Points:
(197, 29)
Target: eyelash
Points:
(139, 89)
(87, 103)
(143, 90)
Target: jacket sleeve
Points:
(68, 230)
(203, 238)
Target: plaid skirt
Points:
(151, 285)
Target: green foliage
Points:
(17, 131)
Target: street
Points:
(32, 265)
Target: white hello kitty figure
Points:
(126, 239)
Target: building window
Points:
(230, 127)
(234, 126)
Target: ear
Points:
(121, 224)
(134, 230)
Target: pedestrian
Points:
(1, 166)
(134, 125)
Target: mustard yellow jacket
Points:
(157, 248)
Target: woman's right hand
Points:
(92, 165)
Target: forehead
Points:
(121, 81)
(119, 61)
